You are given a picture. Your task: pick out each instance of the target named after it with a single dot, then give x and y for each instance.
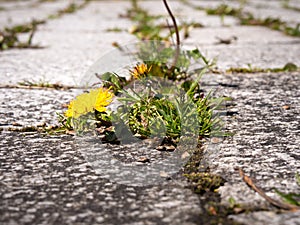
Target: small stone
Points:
(163, 174)
(185, 155)
(286, 107)
(143, 159)
(160, 148)
(70, 132)
(238, 210)
(46, 204)
(28, 218)
(42, 124)
(69, 205)
(99, 219)
(8, 195)
(216, 140)
(16, 124)
(31, 210)
(19, 167)
(62, 145)
(170, 148)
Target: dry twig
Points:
(274, 202)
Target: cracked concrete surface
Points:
(44, 179)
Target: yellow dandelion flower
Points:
(104, 98)
(88, 102)
(140, 70)
(69, 112)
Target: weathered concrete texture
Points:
(45, 180)
(260, 9)
(262, 218)
(246, 35)
(272, 9)
(20, 12)
(261, 56)
(214, 3)
(74, 42)
(71, 45)
(257, 46)
(266, 139)
(186, 14)
(26, 107)
(294, 3)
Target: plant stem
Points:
(177, 36)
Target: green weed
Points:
(146, 27)
(289, 67)
(153, 111)
(69, 9)
(42, 84)
(247, 18)
(224, 10)
(115, 29)
(9, 36)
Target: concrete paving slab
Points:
(45, 180)
(17, 12)
(25, 107)
(186, 14)
(260, 9)
(214, 3)
(11, 5)
(264, 11)
(257, 46)
(265, 142)
(261, 56)
(262, 218)
(72, 44)
(294, 3)
(246, 35)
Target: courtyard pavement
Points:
(45, 179)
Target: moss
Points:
(199, 177)
(25, 28)
(289, 67)
(9, 36)
(247, 18)
(223, 10)
(69, 9)
(41, 85)
(115, 29)
(204, 182)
